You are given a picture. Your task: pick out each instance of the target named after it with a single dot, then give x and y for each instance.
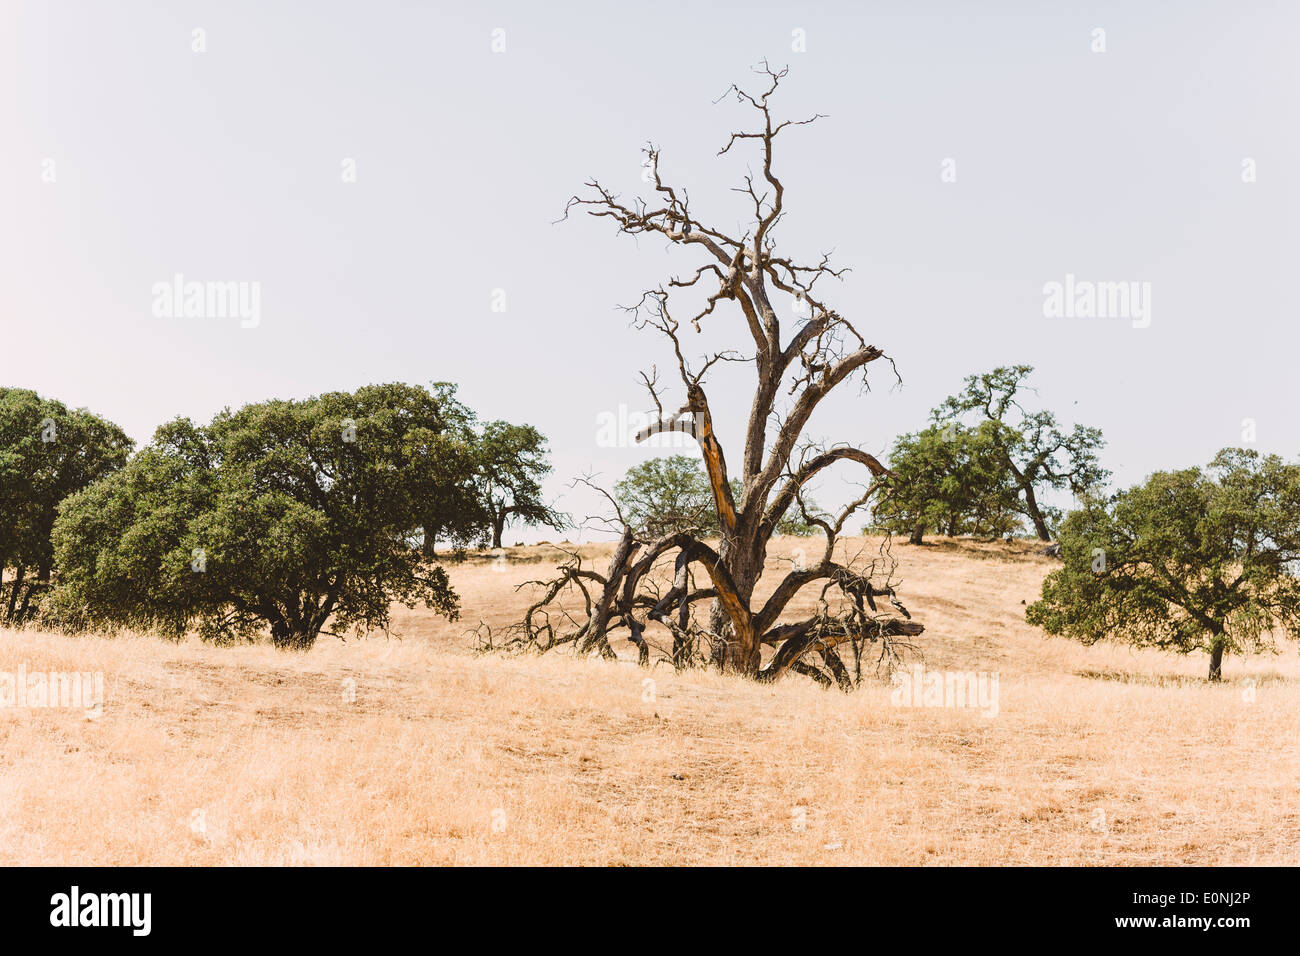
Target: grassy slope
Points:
(1097, 756)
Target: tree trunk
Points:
(918, 533)
(599, 622)
(280, 634)
(27, 600)
(1216, 660)
(498, 526)
(41, 583)
(292, 635)
(13, 595)
(740, 653)
(1035, 515)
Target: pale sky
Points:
(227, 164)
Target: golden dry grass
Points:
(245, 755)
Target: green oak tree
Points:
(1189, 560)
(1035, 449)
(281, 516)
(949, 479)
(665, 495)
(454, 511)
(47, 452)
(512, 461)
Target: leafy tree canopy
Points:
(281, 515)
(664, 495)
(950, 480)
(1037, 451)
(47, 451)
(1188, 560)
(512, 463)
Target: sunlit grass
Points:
(417, 751)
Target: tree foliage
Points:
(670, 494)
(1189, 560)
(47, 451)
(454, 511)
(512, 463)
(281, 515)
(1035, 448)
(949, 479)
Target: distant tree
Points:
(454, 511)
(1187, 560)
(667, 495)
(1035, 449)
(47, 451)
(802, 518)
(512, 463)
(283, 515)
(949, 480)
(794, 524)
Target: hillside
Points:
(419, 751)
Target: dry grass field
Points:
(419, 751)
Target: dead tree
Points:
(795, 369)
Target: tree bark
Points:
(596, 636)
(739, 652)
(918, 534)
(292, 635)
(27, 600)
(41, 583)
(19, 573)
(498, 527)
(1216, 660)
(824, 351)
(1035, 515)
